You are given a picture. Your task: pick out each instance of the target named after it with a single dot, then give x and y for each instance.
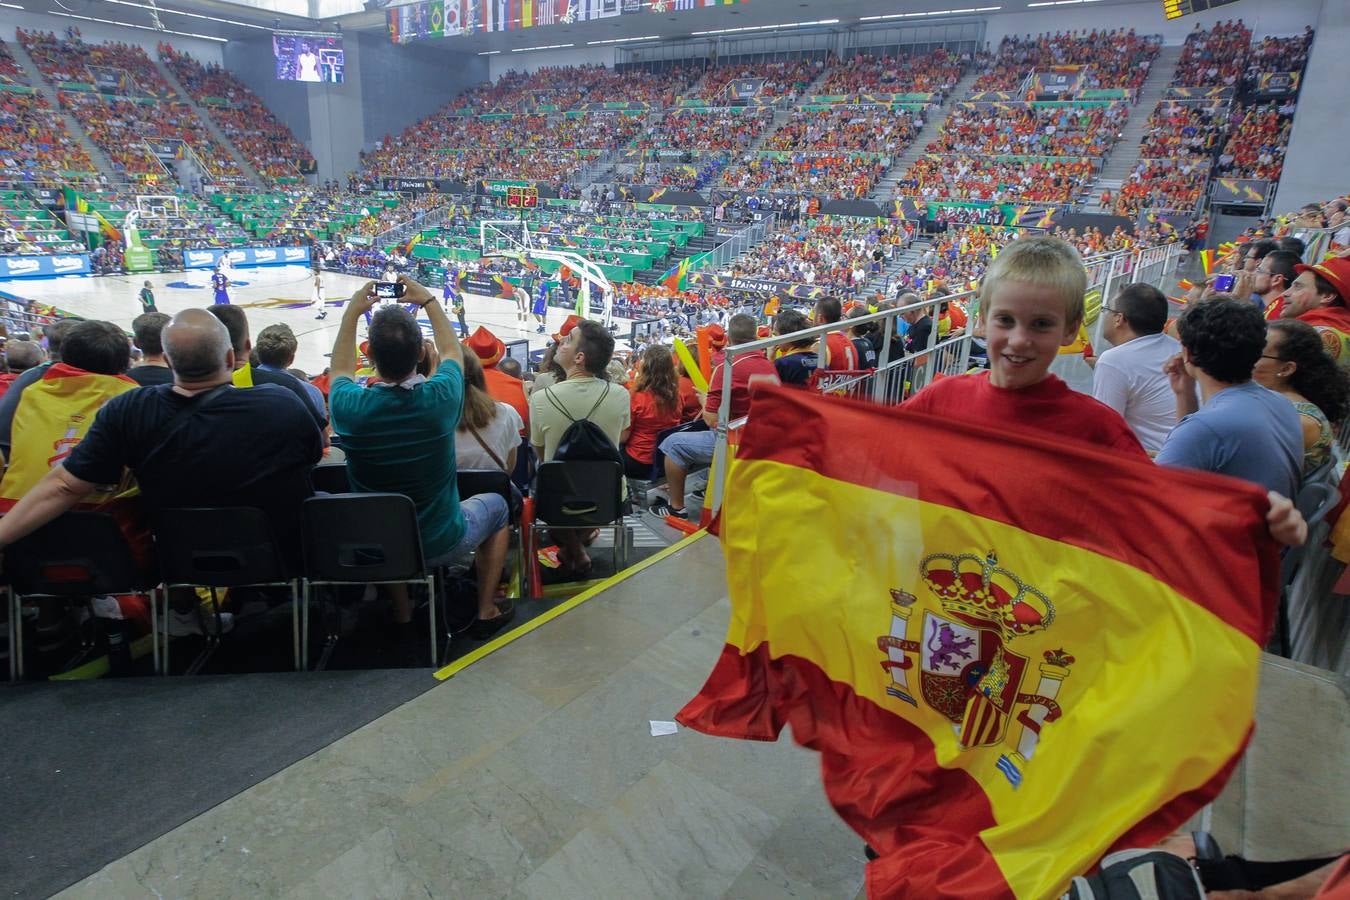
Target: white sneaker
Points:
(181, 624)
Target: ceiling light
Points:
(489, 52)
(179, 12)
(192, 34)
(541, 47)
(938, 12)
(767, 27)
(650, 37)
(12, 5)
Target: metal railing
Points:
(721, 256)
(896, 379)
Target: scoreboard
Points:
(1175, 9)
(522, 197)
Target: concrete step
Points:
(99, 158)
(239, 159)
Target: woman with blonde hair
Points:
(653, 407)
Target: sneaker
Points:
(181, 624)
(661, 506)
(483, 629)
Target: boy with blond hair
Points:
(1031, 304)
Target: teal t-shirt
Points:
(402, 441)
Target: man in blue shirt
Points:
(399, 437)
(276, 348)
(1239, 428)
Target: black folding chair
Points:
(331, 478)
(359, 539)
(78, 554)
(220, 547)
(472, 482)
(582, 494)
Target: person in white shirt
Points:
(1129, 376)
(488, 435)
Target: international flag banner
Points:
(1004, 683)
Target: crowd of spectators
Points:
(833, 175)
(934, 72)
(69, 58)
(594, 130)
(1277, 54)
(688, 173)
(839, 253)
(251, 127)
(1189, 129)
(1162, 184)
(34, 144)
(10, 70)
(1257, 141)
(1031, 131)
(1214, 57)
(785, 80)
(1116, 59)
(994, 178)
(705, 130)
(122, 129)
(876, 129)
(570, 87)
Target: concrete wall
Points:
(98, 33)
(1286, 17)
(1321, 128)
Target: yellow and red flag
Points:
(1207, 261)
(1004, 683)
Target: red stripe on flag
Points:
(1143, 533)
(922, 819)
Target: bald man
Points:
(20, 356)
(196, 442)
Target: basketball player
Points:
(451, 300)
(522, 308)
(541, 306)
(308, 64)
(219, 282)
(316, 298)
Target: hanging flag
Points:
(676, 276)
(1002, 687)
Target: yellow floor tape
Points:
(598, 587)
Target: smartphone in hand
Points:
(386, 290)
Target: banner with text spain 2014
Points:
(1004, 679)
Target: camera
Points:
(1223, 284)
(386, 290)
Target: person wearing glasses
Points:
(1272, 277)
(1129, 376)
(1295, 365)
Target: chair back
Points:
(227, 546)
(361, 537)
(579, 493)
(77, 554)
(331, 478)
(472, 482)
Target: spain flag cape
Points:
(1004, 683)
(54, 414)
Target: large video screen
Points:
(308, 57)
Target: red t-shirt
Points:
(743, 369)
(690, 405)
(648, 422)
(1050, 406)
(843, 356)
(6, 379)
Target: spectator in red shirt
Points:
(840, 354)
(688, 450)
(654, 407)
(500, 387)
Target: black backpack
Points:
(583, 439)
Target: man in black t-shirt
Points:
(145, 334)
(241, 448)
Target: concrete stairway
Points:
(239, 159)
(100, 159)
(1125, 154)
(932, 126)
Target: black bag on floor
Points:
(1139, 875)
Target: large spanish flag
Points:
(1004, 679)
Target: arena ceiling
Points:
(242, 19)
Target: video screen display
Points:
(308, 57)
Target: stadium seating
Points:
(703, 130)
(10, 70)
(1118, 59)
(1214, 57)
(27, 227)
(781, 80)
(1042, 179)
(70, 60)
(1257, 142)
(934, 72)
(1031, 130)
(834, 252)
(34, 142)
(250, 126)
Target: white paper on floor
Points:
(660, 728)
